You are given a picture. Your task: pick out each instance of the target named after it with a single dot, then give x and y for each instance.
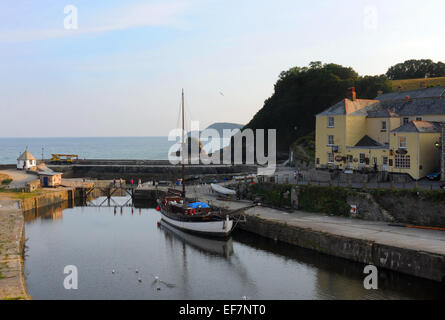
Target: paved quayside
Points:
(417, 252)
(12, 284)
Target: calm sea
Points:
(139, 148)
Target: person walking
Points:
(140, 183)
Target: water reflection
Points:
(53, 212)
(208, 246)
(338, 278)
(127, 240)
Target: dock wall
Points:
(146, 172)
(408, 261)
(47, 199)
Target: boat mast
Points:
(183, 144)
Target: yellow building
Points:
(396, 132)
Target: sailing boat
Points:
(194, 217)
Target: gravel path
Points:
(20, 178)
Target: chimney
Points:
(352, 94)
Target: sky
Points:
(121, 71)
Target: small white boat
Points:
(222, 190)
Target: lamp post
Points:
(442, 152)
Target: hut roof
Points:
(26, 156)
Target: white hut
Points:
(26, 161)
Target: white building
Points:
(26, 161)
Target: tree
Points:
(302, 92)
(414, 69)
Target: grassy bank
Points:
(414, 84)
(18, 194)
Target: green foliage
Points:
(6, 181)
(307, 143)
(414, 69)
(429, 195)
(301, 93)
(331, 200)
(272, 193)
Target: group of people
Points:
(122, 181)
(298, 175)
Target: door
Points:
(45, 181)
(350, 162)
(385, 163)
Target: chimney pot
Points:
(352, 94)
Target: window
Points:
(362, 158)
(374, 160)
(403, 161)
(383, 126)
(402, 142)
(331, 122)
(330, 140)
(330, 157)
(385, 161)
(419, 119)
(405, 120)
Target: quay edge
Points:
(413, 262)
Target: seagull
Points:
(169, 285)
(137, 271)
(221, 93)
(112, 271)
(140, 280)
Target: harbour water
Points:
(125, 254)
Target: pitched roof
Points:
(433, 92)
(420, 126)
(382, 113)
(48, 173)
(367, 141)
(420, 102)
(346, 106)
(26, 156)
(417, 106)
